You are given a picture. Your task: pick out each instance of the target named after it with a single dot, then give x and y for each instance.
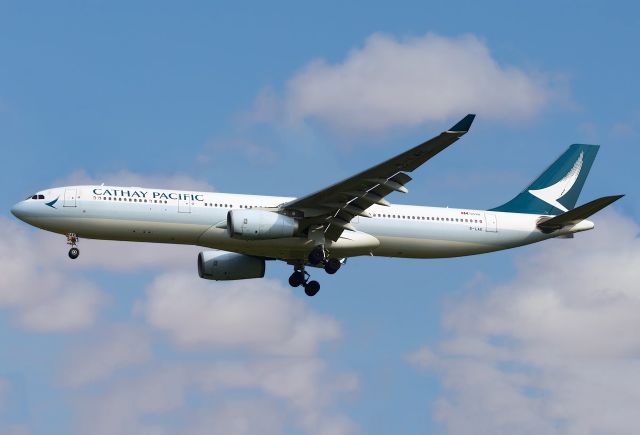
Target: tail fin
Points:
(557, 189)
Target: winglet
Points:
(464, 124)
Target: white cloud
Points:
(554, 351)
(44, 297)
(402, 83)
(422, 357)
(258, 315)
(123, 407)
(292, 392)
(119, 347)
(277, 381)
(240, 417)
(128, 178)
(222, 151)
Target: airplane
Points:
(323, 229)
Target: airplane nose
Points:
(18, 210)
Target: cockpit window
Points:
(35, 197)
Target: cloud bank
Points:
(391, 82)
(259, 315)
(41, 295)
(556, 350)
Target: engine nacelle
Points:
(259, 225)
(224, 266)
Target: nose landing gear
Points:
(72, 239)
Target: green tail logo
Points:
(557, 189)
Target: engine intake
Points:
(225, 266)
(259, 225)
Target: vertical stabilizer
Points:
(557, 189)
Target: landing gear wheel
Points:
(296, 279)
(316, 256)
(312, 288)
(332, 266)
(72, 240)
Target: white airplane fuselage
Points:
(199, 218)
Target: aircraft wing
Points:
(332, 208)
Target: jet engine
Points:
(249, 224)
(225, 266)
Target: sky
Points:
(285, 98)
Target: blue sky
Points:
(284, 99)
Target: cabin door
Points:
(184, 206)
(70, 195)
(492, 223)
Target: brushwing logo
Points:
(553, 193)
(51, 203)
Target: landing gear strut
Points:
(72, 239)
(300, 277)
(317, 257)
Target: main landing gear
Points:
(72, 239)
(317, 257)
(300, 277)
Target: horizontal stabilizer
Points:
(578, 214)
